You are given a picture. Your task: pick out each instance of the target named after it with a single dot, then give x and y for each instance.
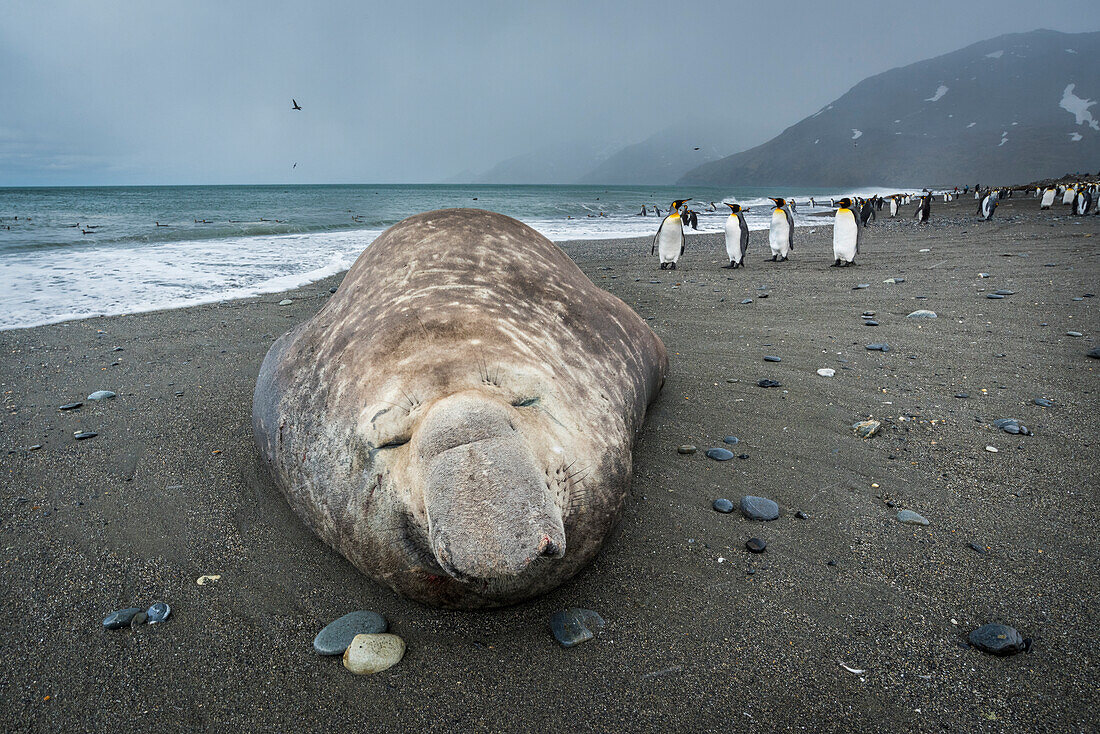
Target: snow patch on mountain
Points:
(995, 54)
(1079, 107)
(940, 91)
(856, 134)
(1075, 136)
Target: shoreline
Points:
(701, 634)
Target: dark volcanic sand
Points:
(172, 488)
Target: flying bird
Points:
(294, 166)
(295, 105)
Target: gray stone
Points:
(723, 505)
(861, 286)
(870, 322)
(731, 440)
(1074, 334)
(772, 358)
(993, 296)
(911, 518)
(335, 638)
(867, 428)
(574, 626)
(998, 639)
(158, 612)
(81, 435)
(1005, 292)
(121, 618)
(922, 314)
(759, 508)
(756, 545)
(879, 347)
(719, 454)
(746, 301)
(1044, 402)
(769, 383)
(70, 406)
(101, 395)
(285, 302)
(687, 448)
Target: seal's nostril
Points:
(548, 547)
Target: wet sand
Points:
(701, 634)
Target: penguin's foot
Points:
(782, 259)
(672, 266)
(731, 266)
(664, 265)
(775, 258)
(836, 264)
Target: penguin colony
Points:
(853, 215)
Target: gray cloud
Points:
(102, 93)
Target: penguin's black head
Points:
(734, 208)
(845, 203)
(779, 203)
(679, 203)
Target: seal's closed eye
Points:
(524, 402)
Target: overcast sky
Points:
(199, 92)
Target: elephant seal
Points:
(458, 420)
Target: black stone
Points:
(998, 639)
(70, 406)
(976, 548)
(962, 394)
(731, 440)
(801, 515)
(574, 626)
(870, 322)
(772, 358)
(993, 296)
(723, 505)
(719, 454)
(769, 383)
(759, 508)
(337, 635)
(121, 618)
(756, 545)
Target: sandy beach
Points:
(701, 635)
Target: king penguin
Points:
(737, 236)
(924, 209)
(846, 235)
(1048, 198)
(1082, 202)
(1067, 198)
(893, 206)
(988, 205)
(669, 240)
(781, 234)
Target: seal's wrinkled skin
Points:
(458, 420)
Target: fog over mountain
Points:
(1012, 108)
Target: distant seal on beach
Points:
(458, 420)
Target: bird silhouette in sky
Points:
(295, 105)
(294, 166)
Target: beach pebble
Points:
(826, 372)
(962, 395)
(870, 322)
(746, 301)
(731, 440)
(867, 428)
(755, 545)
(1011, 425)
(81, 435)
(121, 618)
(922, 314)
(759, 508)
(1044, 402)
(335, 638)
(879, 347)
(1074, 334)
(991, 449)
(139, 619)
(1095, 353)
(861, 286)
(70, 406)
(332, 289)
(983, 275)
(924, 249)
(101, 395)
(993, 296)
(911, 518)
(997, 639)
(976, 548)
(868, 314)
(772, 358)
(719, 454)
(801, 515)
(769, 383)
(574, 626)
(687, 448)
(1004, 292)
(285, 302)
(373, 653)
(158, 612)
(723, 506)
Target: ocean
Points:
(74, 252)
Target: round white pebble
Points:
(991, 449)
(826, 372)
(373, 653)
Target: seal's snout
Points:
(490, 513)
